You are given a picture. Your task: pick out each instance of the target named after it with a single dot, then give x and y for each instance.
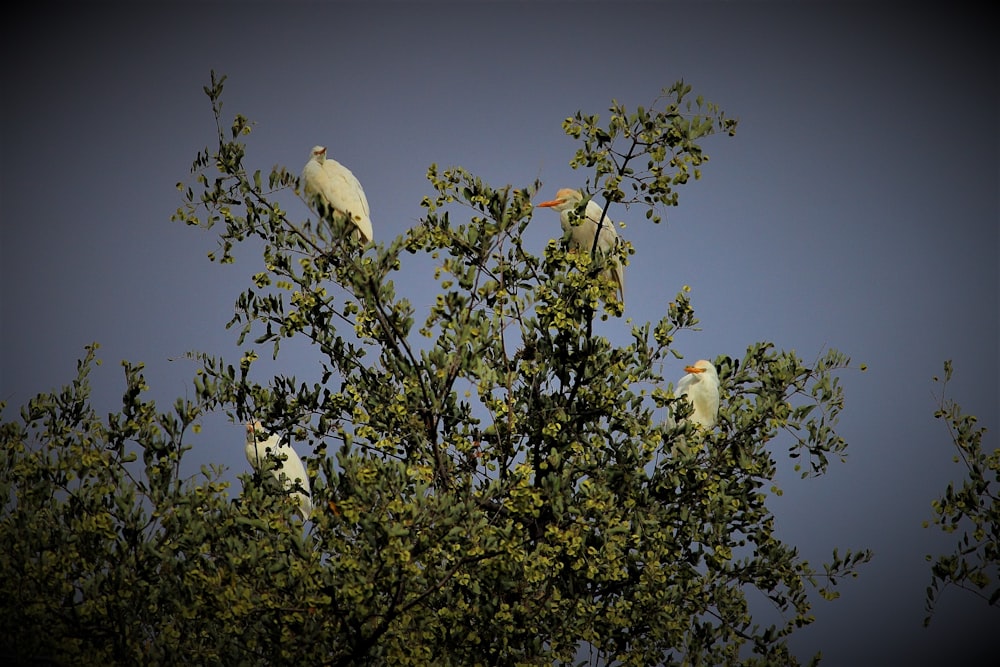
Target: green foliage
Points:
(494, 483)
(973, 509)
(666, 138)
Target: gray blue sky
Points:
(856, 208)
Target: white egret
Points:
(582, 235)
(701, 387)
(262, 454)
(337, 188)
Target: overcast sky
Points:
(856, 208)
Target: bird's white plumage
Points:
(261, 453)
(701, 388)
(336, 187)
(582, 235)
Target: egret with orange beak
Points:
(582, 235)
(701, 388)
(331, 184)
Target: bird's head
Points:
(252, 428)
(702, 366)
(566, 199)
(319, 153)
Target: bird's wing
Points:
(706, 402)
(365, 227)
(256, 449)
(684, 384)
(293, 467)
(594, 211)
(312, 179)
(345, 189)
(347, 195)
(295, 471)
(609, 237)
(253, 455)
(607, 241)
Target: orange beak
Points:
(554, 202)
(694, 369)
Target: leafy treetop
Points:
(494, 483)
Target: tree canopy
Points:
(493, 481)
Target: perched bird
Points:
(267, 454)
(335, 187)
(582, 235)
(701, 388)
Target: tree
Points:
(494, 484)
(974, 508)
